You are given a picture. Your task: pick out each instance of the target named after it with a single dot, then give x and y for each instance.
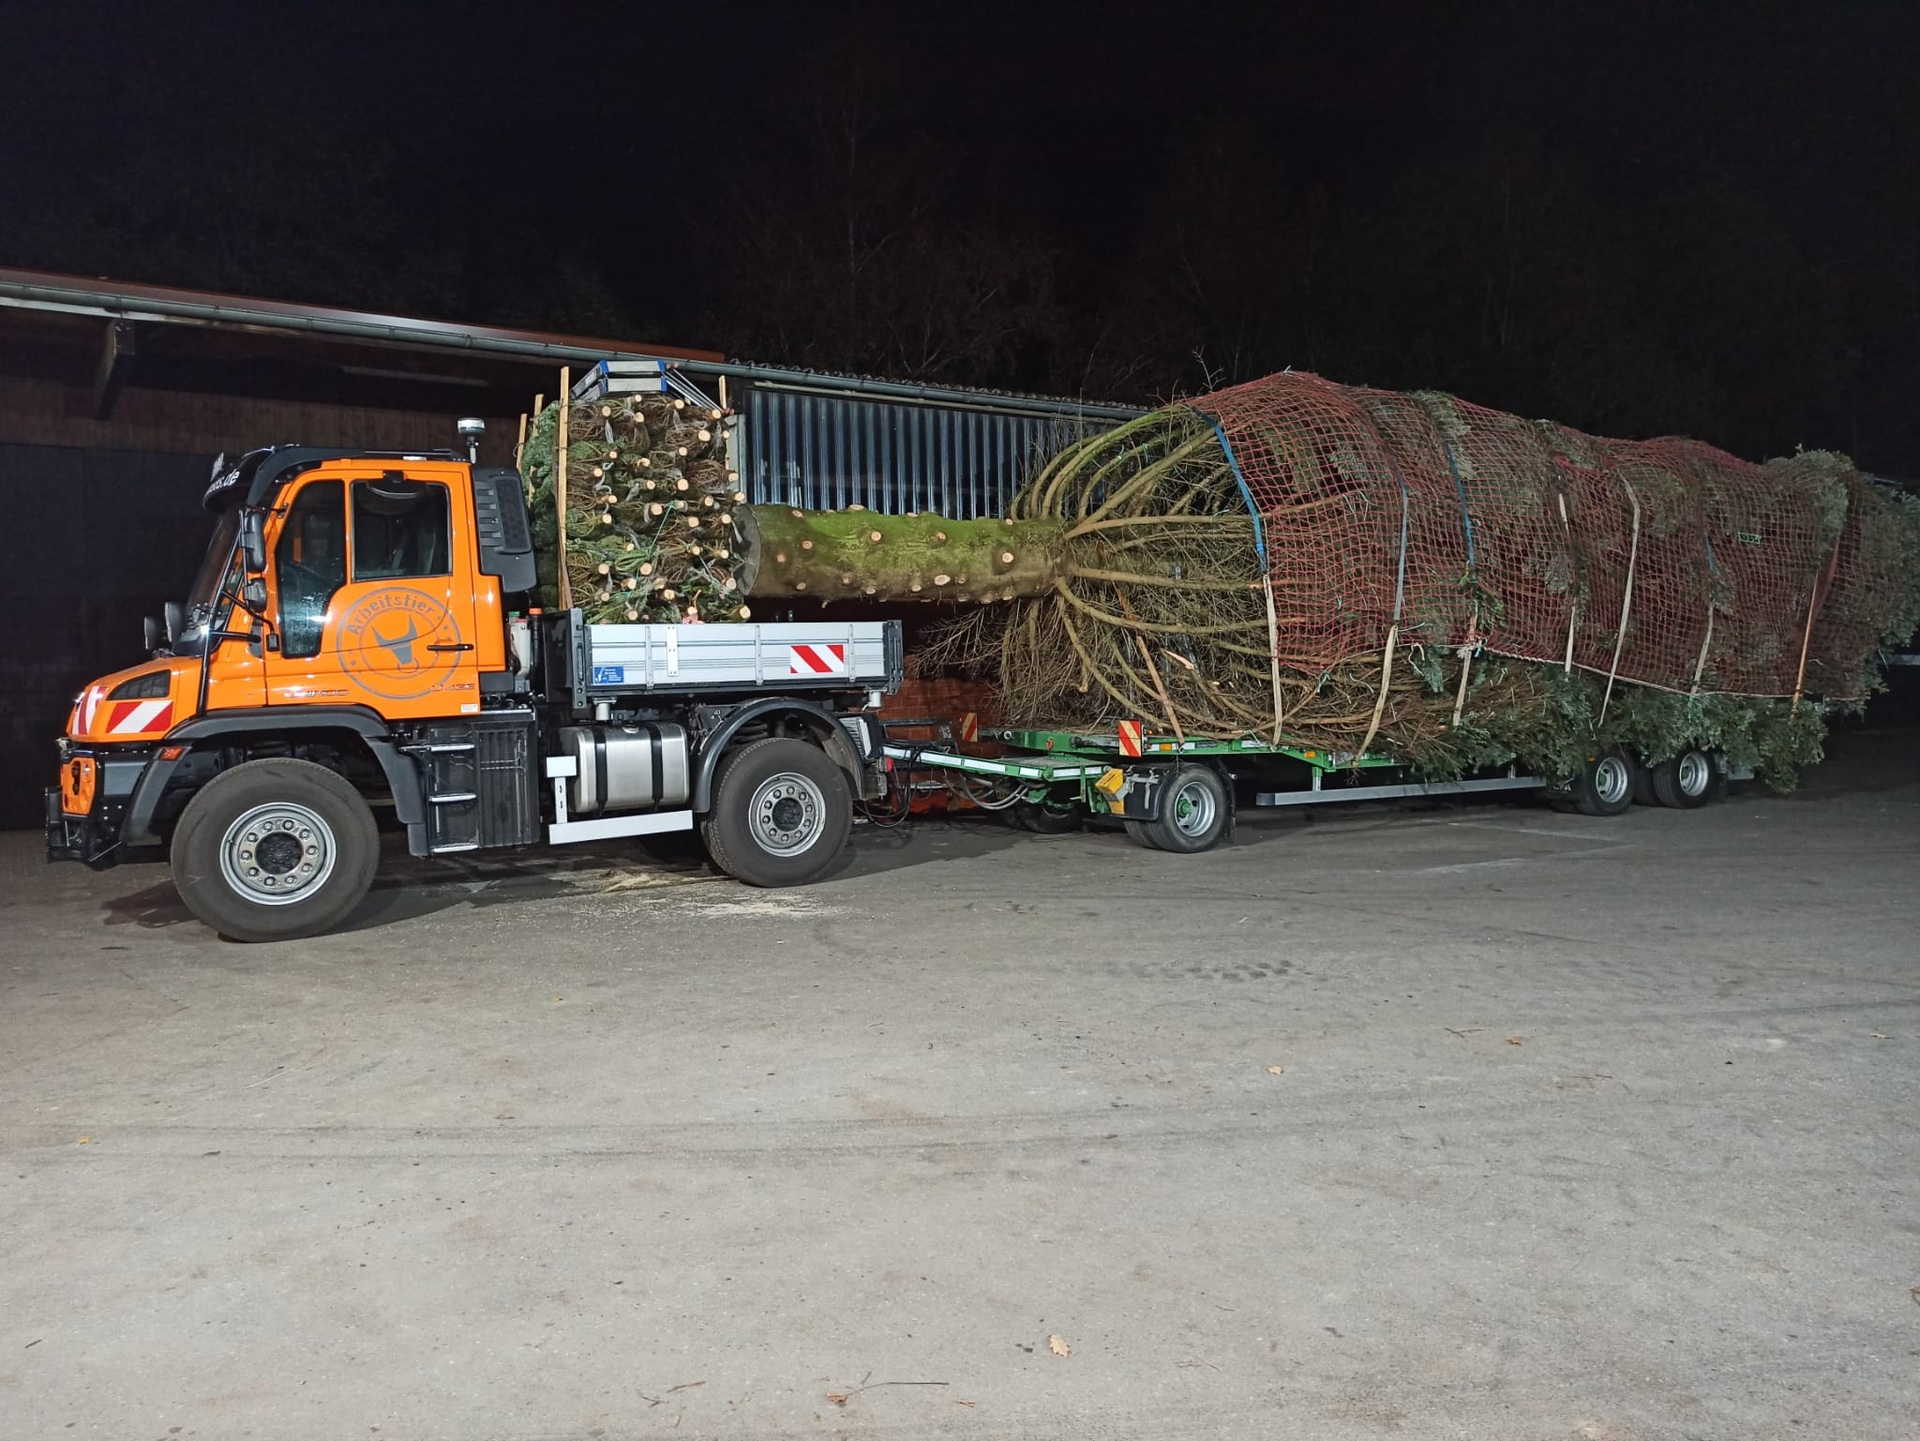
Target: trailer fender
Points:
(1144, 791)
(403, 777)
(818, 720)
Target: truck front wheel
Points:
(781, 813)
(275, 849)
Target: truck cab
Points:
(363, 636)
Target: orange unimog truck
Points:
(361, 636)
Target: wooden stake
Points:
(1380, 701)
(1159, 686)
(1700, 666)
(520, 440)
(560, 483)
(1820, 579)
(1573, 603)
(1466, 669)
(1273, 657)
(1626, 603)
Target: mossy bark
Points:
(856, 554)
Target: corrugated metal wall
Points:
(826, 452)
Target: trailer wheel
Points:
(1193, 811)
(1141, 834)
(781, 813)
(1604, 786)
(1044, 822)
(275, 849)
(1686, 782)
(1643, 785)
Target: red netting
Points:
(1664, 562)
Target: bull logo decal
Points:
(398, 643)
(400, 647)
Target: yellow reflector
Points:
(1111, 781)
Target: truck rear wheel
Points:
(275, 849)
(781, 813)
(1686, 782)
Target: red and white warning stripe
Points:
(1130, 737)
(137, 717)
(816, 660)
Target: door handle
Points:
(451, 645)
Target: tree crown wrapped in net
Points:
(1361, 569)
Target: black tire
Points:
(773, 788)
(1686, 782)
(1605, 784)
(1643, 785)
(274, 850)
(1194, 807)
(1141, 834)
(1044, 822)
(674, 847)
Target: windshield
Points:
(213, 568)
(200, 617)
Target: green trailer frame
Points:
(1058, 770)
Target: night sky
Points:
(1634, 218)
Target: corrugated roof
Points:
(167, 305)
(53, 293)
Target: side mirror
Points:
(174, 622)
(253, 542)
(253, 594)
(152, 637)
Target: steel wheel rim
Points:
(1693, 773)
(1611, 779)
(278, 853)
(1193, 809)
(786, 813)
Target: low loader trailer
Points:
(1181, 794)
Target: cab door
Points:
(373, 597)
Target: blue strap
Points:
(1226, 446)
(1460, 489)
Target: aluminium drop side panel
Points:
(738, 656)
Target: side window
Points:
(310, 563)
(399, 529)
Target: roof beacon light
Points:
(471, 428)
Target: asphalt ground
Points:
(1477, 1121)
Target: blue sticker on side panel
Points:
(609, 675)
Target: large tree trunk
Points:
(845, 554)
